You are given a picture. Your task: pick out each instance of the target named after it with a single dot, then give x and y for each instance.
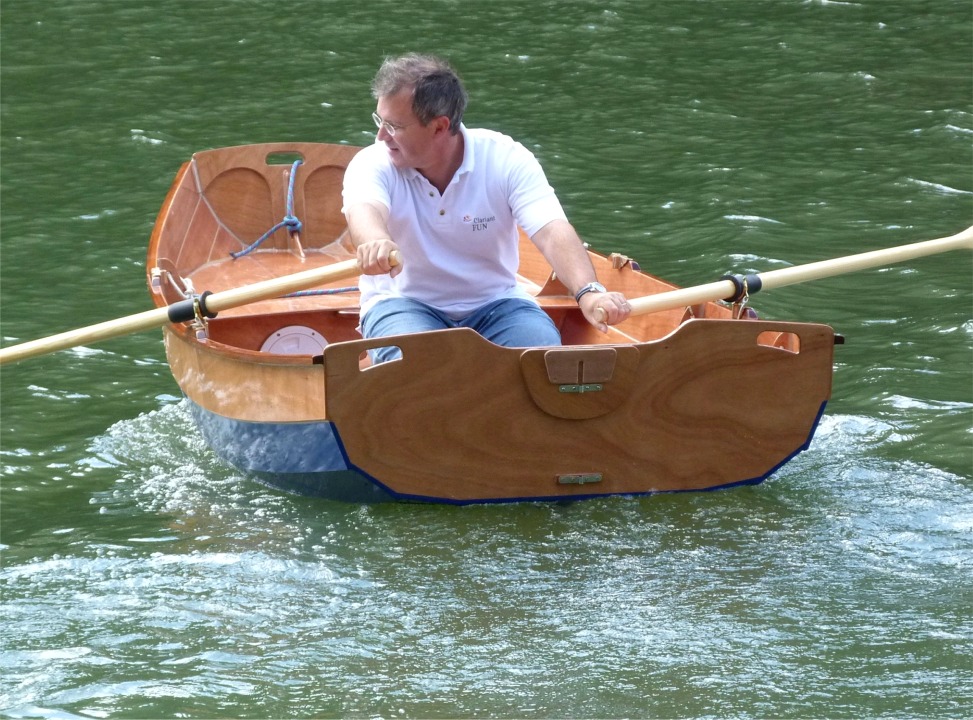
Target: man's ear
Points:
(441, 124)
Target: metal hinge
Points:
(579, 478)
(591, 387)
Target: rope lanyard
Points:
(290, 221)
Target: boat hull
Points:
(265, 453)
(691, 398)
(710, 406)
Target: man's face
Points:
(410, 146)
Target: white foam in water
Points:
(164, 465)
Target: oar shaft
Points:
(682, 297)
(865, 261)
(158, 317)
(82, 336)
(803, 273)
(275, 287)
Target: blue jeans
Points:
(512, 322)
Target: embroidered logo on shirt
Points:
(479, 223)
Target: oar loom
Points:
(733, 287)
(207, 304)
(729, 288)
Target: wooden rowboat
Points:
(694, 398)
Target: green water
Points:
(141, 578)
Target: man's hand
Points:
(604, 309)
(374, 257)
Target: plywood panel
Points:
(246, 386)
(454, 419)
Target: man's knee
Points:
(397, 316)
(520, 323)
(400, 316)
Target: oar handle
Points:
(215, 302)
(728, 288)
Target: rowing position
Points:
(450, 198)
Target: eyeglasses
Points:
(389, 127)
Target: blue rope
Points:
(290, 222)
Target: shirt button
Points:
(442, 212)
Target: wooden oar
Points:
(210, 303)
(727, 289)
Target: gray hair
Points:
(436, 88)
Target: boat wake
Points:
(163, 460)
(165, 468)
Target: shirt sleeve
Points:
(532, 199)
(366, 179)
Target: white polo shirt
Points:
(459, 249)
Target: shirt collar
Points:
(468, 154)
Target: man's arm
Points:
(369, 231)
(559, 243)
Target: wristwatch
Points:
(590, 287)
